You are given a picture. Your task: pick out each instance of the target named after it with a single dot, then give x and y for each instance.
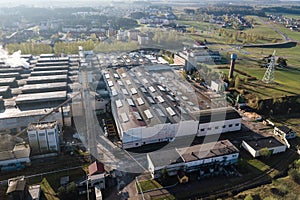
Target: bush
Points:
(294, 174)
(248, 197)
(70, 192)
(294, 171)
(61, 192)
(265, 152)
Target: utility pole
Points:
(269, 75)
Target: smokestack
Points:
(233, 58)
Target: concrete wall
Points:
(279, 149)
(158, 133)
(255, 153)
(166, 132)
(150, 166)
(225, 159)
(250, 149)
(156, 171)
(219, 127)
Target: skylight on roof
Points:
(152, 89)
(128, 82)
(140, 101)
(133, 91)
(124, 117)
(160, 99)
(130, 102)
(170, 111)
(124, 91)
(119, 103)
(110, 83)
(148, 114)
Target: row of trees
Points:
(167, 40)
(72, 47)
(287, 9)
(29, 48)
(223, 9)
(116, 46)
(238, 36)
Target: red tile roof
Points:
(96, 168)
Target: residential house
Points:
(97, 175)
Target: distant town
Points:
(150, 100)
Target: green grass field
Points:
(148, 185)
(292, 34)
(261, 29)
(287, 79)
(210, 32)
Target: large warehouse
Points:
(26, 95)
(153, 104)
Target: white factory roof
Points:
(41, 97)
(46, 78)
(146, 96)
(44, 85)
(143, 97)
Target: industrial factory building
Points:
(254, 146)
(30, 92)
(194, 158)
(153, 104)
(43, 137)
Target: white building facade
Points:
(191, 159)
(272, 144)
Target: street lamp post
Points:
(87, 187)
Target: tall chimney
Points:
(233, 58)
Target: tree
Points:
(237, 82)
(183, 73)
(71, 191)
(281, 62)
(164, 175)
(265, 152)
(93, 37)
(61, 192)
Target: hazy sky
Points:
(61, 3)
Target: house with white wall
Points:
(254, 146)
